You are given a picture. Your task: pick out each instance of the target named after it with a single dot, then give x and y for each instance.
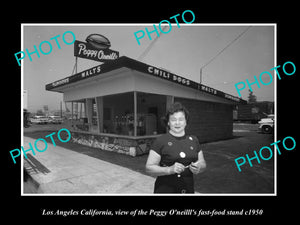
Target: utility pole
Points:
(200, 75)
(61, 109)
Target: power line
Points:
(150, 45)
(213, 58)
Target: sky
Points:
(182, 51)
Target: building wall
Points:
(208, 121)
(117, 144)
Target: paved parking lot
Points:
(222, 175)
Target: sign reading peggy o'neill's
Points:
(96, 48)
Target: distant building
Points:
(253, 112)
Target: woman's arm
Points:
(200, 165)
(153, 168)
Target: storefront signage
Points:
(60, 82)
(79, 76)
(88, 51)
(98, 41)
(144, 68)
(168, 76)
(189, 83)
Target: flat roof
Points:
(127, 62)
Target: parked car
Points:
(266, 125)
(39, 120)
(55, 119)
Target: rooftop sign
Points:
(89, 51)
(98, 41)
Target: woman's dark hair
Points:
(176, 107)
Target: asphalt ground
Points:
(221, 175)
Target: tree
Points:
(39, 112)
(251, 97)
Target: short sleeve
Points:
(198, 147)
(157, 146)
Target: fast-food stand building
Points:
(119, 105)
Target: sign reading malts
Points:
(88, 51)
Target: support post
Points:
(99, 107)
(89, 108)
(72, 115)
(169, 102)
(135, 113)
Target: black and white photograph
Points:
(175, 116)
(137, 116)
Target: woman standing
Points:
(174, 157)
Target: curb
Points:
(30, 179)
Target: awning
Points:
(126, 62)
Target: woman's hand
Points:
(195, 167)
(176, 168)
(199, 166)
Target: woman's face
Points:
(177, 122)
